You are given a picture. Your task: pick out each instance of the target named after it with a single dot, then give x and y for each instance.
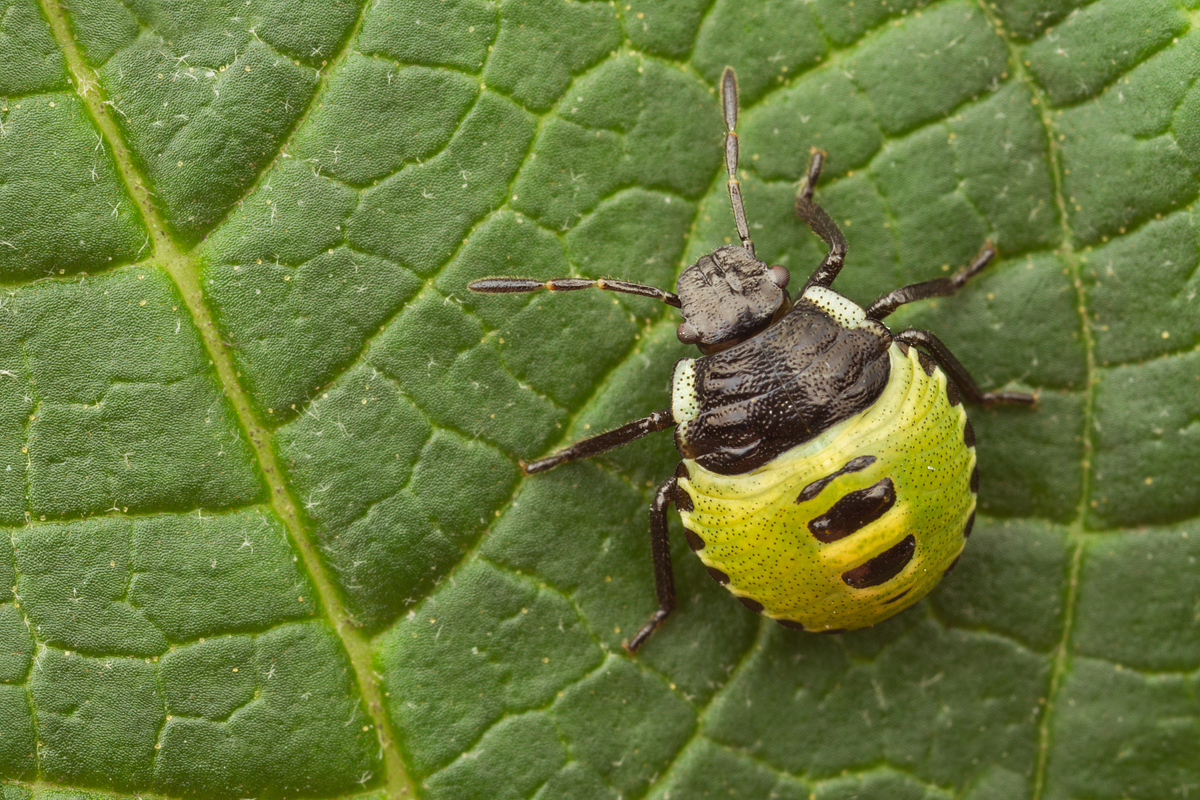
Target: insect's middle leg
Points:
(595, 445)
(957, 372)
(660, 550)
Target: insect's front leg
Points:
(595, 445)
(660, 550)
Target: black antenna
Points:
(507, 285)
(729, 105)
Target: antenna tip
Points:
(729, 97)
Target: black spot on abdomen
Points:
(883, 567)
(790, 623)
(854, 511)
(816, 487)
(693, 539)
(753, 605)
(683, 501)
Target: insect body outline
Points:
(828, 477)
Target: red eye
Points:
(780, 275)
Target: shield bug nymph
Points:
(828, 474)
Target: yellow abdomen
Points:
(758, 528)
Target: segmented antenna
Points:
(508, 285)
(729, 105)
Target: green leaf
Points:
(269, 535)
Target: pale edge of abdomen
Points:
(755, 532)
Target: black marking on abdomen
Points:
(952, 393)
(693, 539)
(718, 576)
(926, 363)
(975, 479)
(815, 488)
(883, 567)
(854, 511)
(969, 434)
(753, 605)
(891, 600)
(969, 526)
(790, 623)
(683, 501)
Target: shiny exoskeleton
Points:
(828, 477)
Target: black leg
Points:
(508, 285)
(957, 372)
(595, 445)
(939, 287)
(821, 225)
(660, 549)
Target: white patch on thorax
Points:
(685, 404)
(847, 313)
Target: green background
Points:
(258, 444)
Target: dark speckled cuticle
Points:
(969, 434)
(751, 415)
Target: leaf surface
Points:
(269, 537)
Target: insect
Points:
(828, 477)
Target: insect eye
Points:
(687, 334)
(780, 275)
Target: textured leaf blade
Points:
(268, 534)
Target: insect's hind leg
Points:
(595, 445)
(660, 550)
(957, 372)
(938, 287)
(821, 224)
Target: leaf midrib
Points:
(183, 269)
